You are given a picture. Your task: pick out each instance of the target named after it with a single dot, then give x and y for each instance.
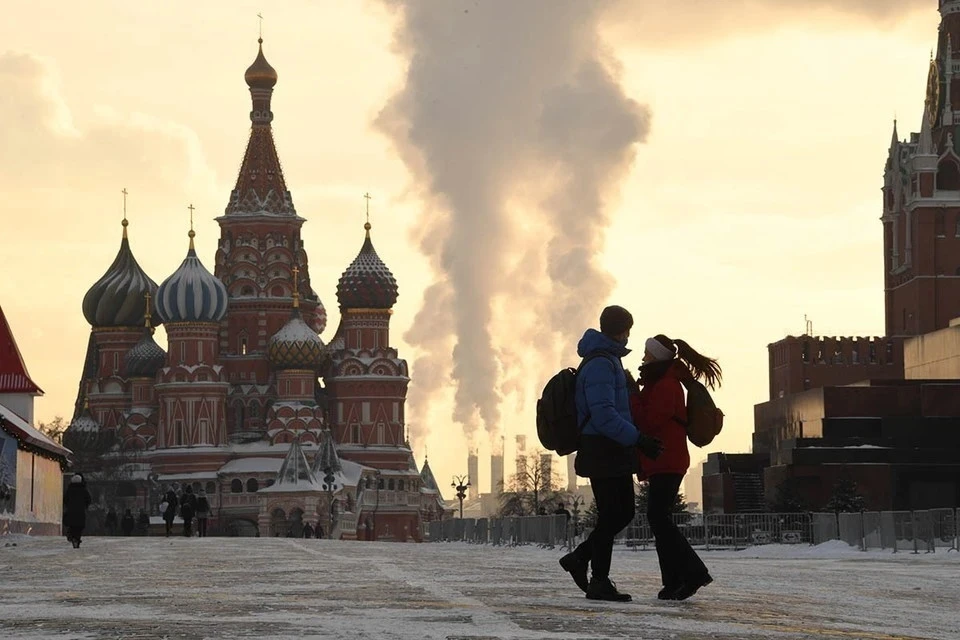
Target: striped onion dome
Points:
(296, 345)
(116, 299)
(83, 432)
(191, 293)
(367, 283)
(145, 358)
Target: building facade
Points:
(876, 410)
(246, 382)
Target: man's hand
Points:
(649, 446)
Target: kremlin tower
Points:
(246, 384)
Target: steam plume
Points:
(507, 107)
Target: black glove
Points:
(649, 446)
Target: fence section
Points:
(900, 531)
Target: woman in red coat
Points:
(659, 410)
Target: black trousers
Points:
(202, 527)
(74, 533)
(615, 509)
(679, 563)
(186, 527)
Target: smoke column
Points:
(508, 108)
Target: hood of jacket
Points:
(593, 340)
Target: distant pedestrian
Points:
(127, 523)
(76, 499)
(143, 523)
(561, 510)
(660, 410)
(168, 509)
(110, 522)
(319, 532)
(307, 530)
(607, 452)
(188, 509)
(203, 512)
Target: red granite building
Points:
(247, 387)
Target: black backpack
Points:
(557, 424)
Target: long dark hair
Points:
(700, 366)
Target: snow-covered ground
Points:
(283, 588)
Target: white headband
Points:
(659, 352)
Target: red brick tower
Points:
(259, 247)
(921, 214)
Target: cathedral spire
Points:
(260, 188)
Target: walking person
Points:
(168, 509)
(76, 499)
(143, 523)
(607, 454)
(188, 508)
(660, 410)
(111, 522)
(127, 523)
(203, 512)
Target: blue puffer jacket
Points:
(609, 437)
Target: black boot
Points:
(577, 569)
(667, 592)
(690, 587)
(604, 589)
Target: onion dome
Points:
(260, 75)
(146, 357)
(367, 283)
(116, 299)
(296, 345)
(83, 431)
(191, 293)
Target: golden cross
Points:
(296, 287)
(260, 15)
(368, 196)
(124, 192)
(147, 315)
(191, 216)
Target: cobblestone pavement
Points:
(281, 588)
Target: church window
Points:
(396, 412)
(178, 435)
(889, 353)
(200, 350)
(252, 485)
(805, 352)
(243, 345)
(236, 486)
(390, 486)
(380, 438)
(183, 352)
(211, 487)
(380, 483)
(254, 410)
(941, 225)
(855, 356)
(116, 363)
(948, 176)
(204, 427)
(399, 485)
(355, 430)
(246, 291)
(366, 413)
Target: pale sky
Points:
(754, 200)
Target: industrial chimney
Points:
(473, 471)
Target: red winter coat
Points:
(654, 411)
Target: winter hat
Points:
(76, 479)
(615, 320)
(658, 350)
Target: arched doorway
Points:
(242, 529)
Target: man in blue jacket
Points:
(608, 449)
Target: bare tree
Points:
(530, 491)
(54, 429)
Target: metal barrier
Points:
(913, 531)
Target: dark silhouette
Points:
(203, 512)
(127, 523)
(110, 522)
(660, 410)
(168, 509)
(76, 499)
(607, 453)
(143, 523)
(188, 508)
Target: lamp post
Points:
(377, 506)
(328, 478)
(460, 483)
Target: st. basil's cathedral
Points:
(235, 406)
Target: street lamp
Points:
(329, 478)
(377, 506)
(460, 483)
